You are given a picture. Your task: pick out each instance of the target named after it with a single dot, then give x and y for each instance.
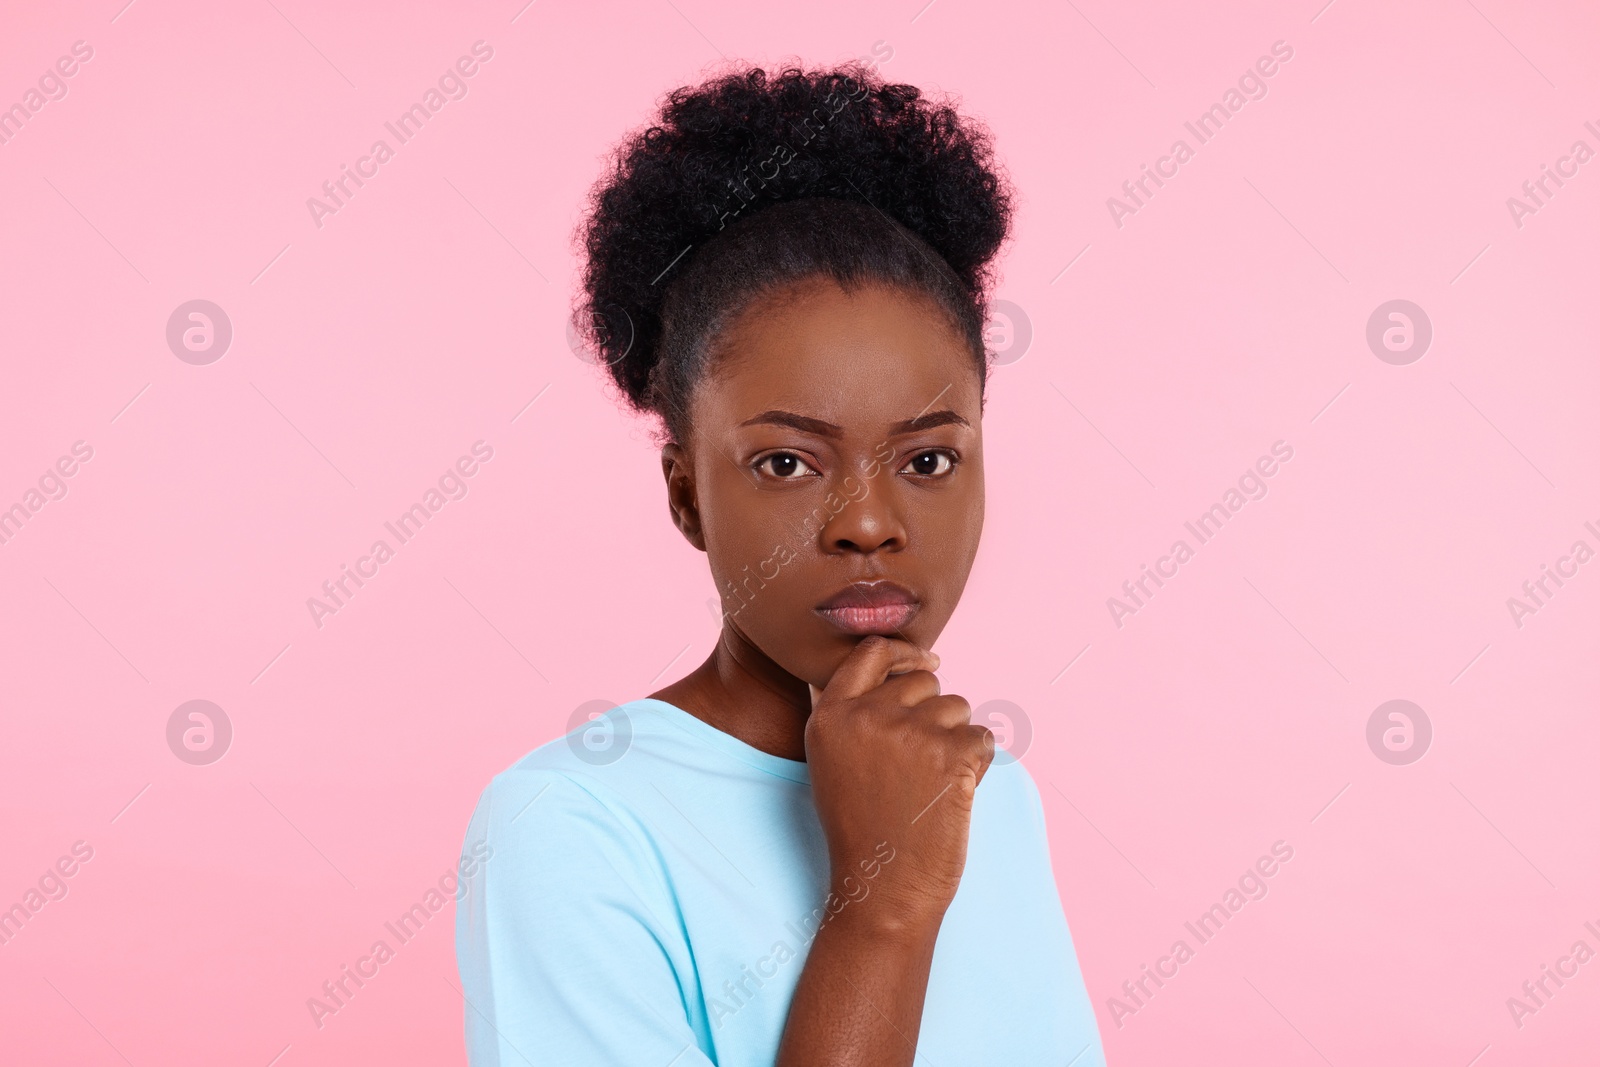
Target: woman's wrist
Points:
(879, 920)
(861, 990)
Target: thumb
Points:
(816, 695)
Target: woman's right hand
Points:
(894, 765)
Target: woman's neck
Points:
(742, 692)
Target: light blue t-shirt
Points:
(653, 885)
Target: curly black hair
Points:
(751, 182)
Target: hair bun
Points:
(725, 150)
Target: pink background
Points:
(368, 354)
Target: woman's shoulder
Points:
(596, 777)
(1009, 804)
(570, 812)
(603, 747)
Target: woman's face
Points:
(834, 472)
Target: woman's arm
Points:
(894, 765)
(859, 999)
(568, 951)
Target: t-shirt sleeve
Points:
(566, 938)
(1036, 819)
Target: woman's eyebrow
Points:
(799, 422)
(809, 425)
(942, 417)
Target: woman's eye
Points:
(783, 465)
(931, 464)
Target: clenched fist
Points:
(892, 759)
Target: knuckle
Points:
(909, 688)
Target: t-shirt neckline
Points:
(794, 770)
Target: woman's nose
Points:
(869, 523)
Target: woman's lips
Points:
(861, 608)
(862, 621)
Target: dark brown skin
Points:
(892, 760)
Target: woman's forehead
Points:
(868, 354)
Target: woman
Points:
(801, 852)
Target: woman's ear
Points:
(681, 497)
